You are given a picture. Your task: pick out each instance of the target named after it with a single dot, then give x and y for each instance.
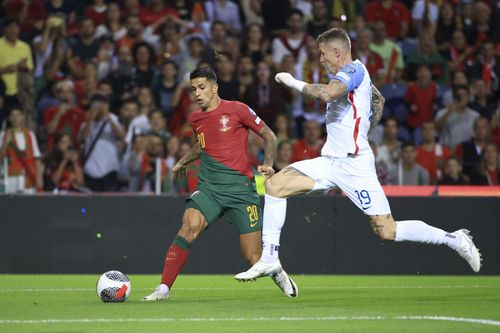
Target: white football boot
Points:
(285, 283)
(161, 292)
(259, 269)
(468, 250)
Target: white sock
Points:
(418, 231)
(164, 289)
(274, 219)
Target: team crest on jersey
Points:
(224, 122)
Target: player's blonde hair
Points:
(335, 34)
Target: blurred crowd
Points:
(94, 95)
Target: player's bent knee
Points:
(193, 224)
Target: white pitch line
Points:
(489, 322)
(10, 290)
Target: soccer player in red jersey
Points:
(225, 180)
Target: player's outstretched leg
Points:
(418, 231)
(269, 263)
(193, 223)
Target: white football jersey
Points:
(348, 117)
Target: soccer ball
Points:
(113, 286)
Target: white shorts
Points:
(355, 176)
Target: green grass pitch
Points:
(217, 303)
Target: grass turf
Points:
(215, 303)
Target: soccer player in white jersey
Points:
(354, 107)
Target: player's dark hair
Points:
(335, 34)
(204, 71)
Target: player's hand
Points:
(178, 170)
(284, 78)
(266, 170)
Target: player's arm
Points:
(377, 108)
(325, 92)
(191, 155)
(270, 151)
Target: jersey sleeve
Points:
(249, 118)
(351, 75)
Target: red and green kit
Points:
(225, 179)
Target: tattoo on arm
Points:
(326, 92)
(270, 145)
(291, 171)
(191, 155)
(377, 108)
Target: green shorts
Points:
(241, 209)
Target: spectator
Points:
(229, 86)
(394, 14)
(446, 25)
(488, 171)
(66, 10)
(458, 78)
(276, 20)
(265, 96)
(192, 56)
(169, 45)
(455, 122)
(284, 156)
(482, 101)
(380, 167)
(105, 59)
(15, 58)
(459, 54)
(372, 60)
(136, 33)
(495, 125)
(255, 43)
(283, 128)
(47, 43)
(20, 147)
(131, 163)
(101, 134)
(292, 41)
(420, 97)
(471, 150)
(165, 88)
(309, 146)
(172, 148)
(140, 124)
(156, 10)
(453, 173)
(408, 171)
(224, 11)
(158, 125)
(482, 15)
(252, 12)
(390, 149)
(389, 51)
(245, 73)
(112, 25)
(30, 14)
(218, 34)
(144, 71)
(154, 151)
(430, 154)
(128, 112)
(232, 48)
(427, 54)
(318, 23)
(486, 67)
(424, 16)
(85, 47)
(122, 76)
(64, 118)
(62, 166)
(97, 12)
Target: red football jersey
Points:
(223, 133)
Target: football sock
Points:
(418, 231)
(274, 219)
(175, 259)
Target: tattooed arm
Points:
(377, 108)
(326, 92)
(191, 155)
(270, 151)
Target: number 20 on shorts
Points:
(253, 214)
